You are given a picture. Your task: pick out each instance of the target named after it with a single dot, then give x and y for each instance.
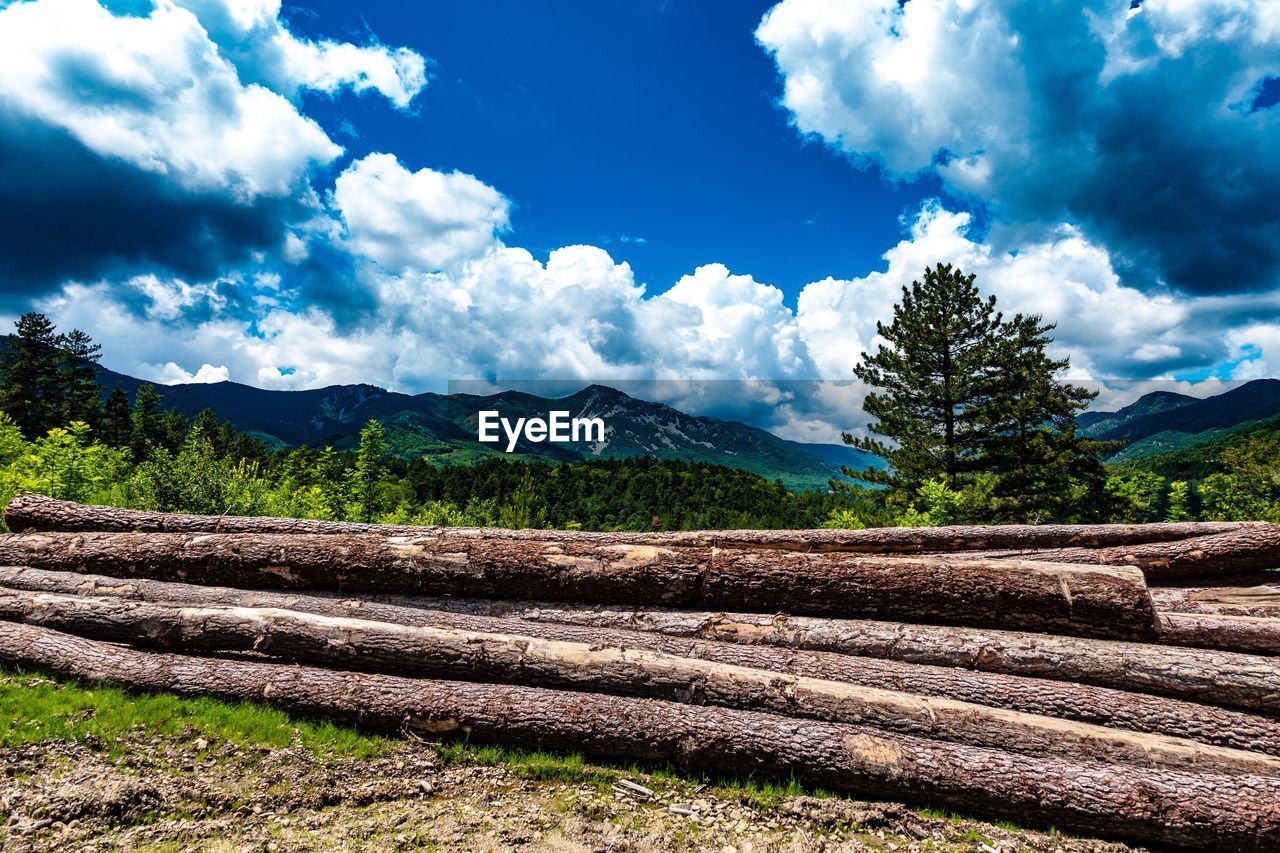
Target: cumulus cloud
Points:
(502, 314)
(424, 220)
(1139, 128)
(159, 138)
(171, 374)
(251, 35)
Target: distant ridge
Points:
(443, 428)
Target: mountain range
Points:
(1176, 428)
(443, 427)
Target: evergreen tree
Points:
(78, 378)
(148, 425)
(971, 406)
(117, 427)
(1043, 469)
(29, 382)
(368, 473)
(934, 378)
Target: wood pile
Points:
(1053, 675)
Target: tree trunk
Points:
(1209, 811)
(1262, 600)
(1251, 548)
(1230, 679)
(1091, 601)
(1257, 635)
(32, 512)
(368, 646)
(1083, 703)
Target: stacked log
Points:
(1012, 671)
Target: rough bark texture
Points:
(39, 513)
(1262, 600)
(1257, 635)
(1230, 679)
(1208, 811)
(1255, 547)
(430, 651)
(1089, 601)
(1084, 703)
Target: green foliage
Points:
(367, 475)
(937, 504)
(1249, 485)
(1179, 502)
(1138, 496)
(967, 402)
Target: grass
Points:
(34, 709)
(541, 766)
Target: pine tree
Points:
(148, 427)
(78, 378)
(1044, 469)
(117, 426)
(970, 404)
(29, 376)
(368, 473)
(934, 380)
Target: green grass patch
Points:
(572, 767)
(34, 709)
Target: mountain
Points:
(444, 427)
(1164, 423)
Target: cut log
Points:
(1083, 703)
(1209, 811)
(1230, 679)
(1090, 601)
(1252, 548)
(1262, 600)
(1257, 635)
(31, 512)
(368, 646)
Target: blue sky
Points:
(605, 121)
(405, 194)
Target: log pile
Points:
(1042, 674)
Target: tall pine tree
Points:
(78, 378)
(29, 379)
(117, 421)
(962, 394)
(933, 381)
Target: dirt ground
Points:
(191, 794)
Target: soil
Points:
(187, 793)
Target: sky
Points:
(406, 194)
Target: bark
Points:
(1262, 600)
(428, 651)
(1082, 703)
(1251, 548)
(1206, 811)
(1257, 635)
(1230, 679)
(1090, 601)
(32, 512)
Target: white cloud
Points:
(171, 374)
(251, 34)
(201, 95)
(503, 314)
(1136, 128)
(424, 220)
(154, 92)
